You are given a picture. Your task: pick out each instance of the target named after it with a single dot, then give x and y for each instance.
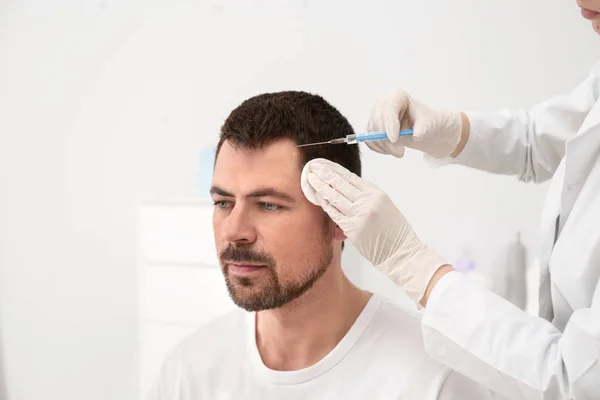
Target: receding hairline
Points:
(238, 146)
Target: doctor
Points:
(483, 336)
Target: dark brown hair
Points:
(300, 116)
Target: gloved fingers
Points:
(329, 194)
(371, 123)
(338, 181)
(335, 214)
(334, 175)
(384, 117)
(391, 122)
(393, 111)
(424, 125)
(380, 146)
(309, 191)
(421, 130)
(338, 177)
(375, 120)
(407, 141)
(376, 146)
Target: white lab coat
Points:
(484, 336)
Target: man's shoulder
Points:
(396, 329)
(394, 317)
(211, 347)
(395, 347)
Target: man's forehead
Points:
(276, 164)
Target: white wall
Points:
(106, 102)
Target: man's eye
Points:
(269, 206)
(221, 204)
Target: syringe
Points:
(359, 138)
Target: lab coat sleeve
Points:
(527, 144)
(491, 341)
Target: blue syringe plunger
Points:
(370, 136)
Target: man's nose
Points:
(238, 226)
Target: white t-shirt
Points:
(381, 357)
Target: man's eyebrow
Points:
(220, 191)
(270, 192)
(263, 192)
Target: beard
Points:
(267, 292)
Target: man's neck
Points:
(304, 331)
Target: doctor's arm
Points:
(471, 330)
(488, 339)
(528, 144)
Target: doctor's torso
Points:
(570, 227)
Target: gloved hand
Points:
(437, 133)
(372, 223)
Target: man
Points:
(307, 331)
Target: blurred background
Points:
(109, 113)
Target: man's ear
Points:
(338, 234)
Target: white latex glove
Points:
(436, 133)
(373, 224)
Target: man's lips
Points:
(244, 268)
(589, 14)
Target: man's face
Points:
(273, 244)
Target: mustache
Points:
(233, 253)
